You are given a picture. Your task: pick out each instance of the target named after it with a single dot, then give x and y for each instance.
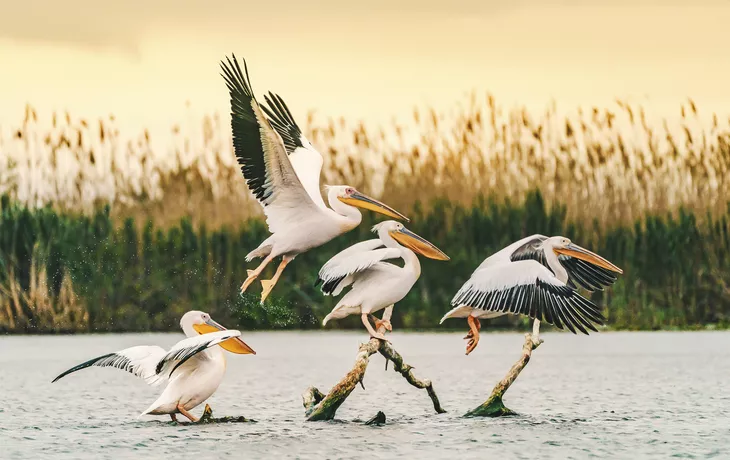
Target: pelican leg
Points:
(536, 340)
(253, 274)
(370, 329)
(268, 285)
(473, 335)
(173, 417)
(186, 413)
(385, 323)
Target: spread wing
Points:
(262, 155)
(341, 270)
(528, 288)
(140, 361)
(151, 363)
(305, 159)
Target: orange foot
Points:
(385, 323)
(473, 335)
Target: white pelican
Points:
(191, 368)
(268, 151)
(376, 284)
(537, 276)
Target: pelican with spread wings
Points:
(282, 170)
(192, 369)
(376, 283)
(537, 276)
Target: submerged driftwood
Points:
(378, 420)
(207, 417)
(493, 406)
(318, 406)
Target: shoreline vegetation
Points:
(98, 234)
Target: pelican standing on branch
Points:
(193, 368)
(376, 284)
(537, 276)
(268, 149)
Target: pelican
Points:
(193, 368)
(282, 170)
(375, 283)
(537, 276)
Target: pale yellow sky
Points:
(373, 60)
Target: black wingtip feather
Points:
(245, 127)
(83, 365)
(329, 286)
(282, 121)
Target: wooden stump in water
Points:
(378, 420)
(318, 406)
(493, 406)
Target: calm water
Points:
(619, 395)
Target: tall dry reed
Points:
(610, 164)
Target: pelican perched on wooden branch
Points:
(193, 368)
(538, 277)
(282, 170)
(376, 284)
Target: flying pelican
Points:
(537, 276)
(376, 284)
(268, 151)
(192, 369)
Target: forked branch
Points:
(318, 406)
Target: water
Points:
(619, 395)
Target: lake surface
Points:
(612, 394)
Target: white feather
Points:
(357, 258)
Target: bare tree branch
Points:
(317, 406)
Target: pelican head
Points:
(200, 322)
(562, 245)
(352, 197)
(409, 239)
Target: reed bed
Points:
(611, 164)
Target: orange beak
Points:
(234, 345)
(573, 250)
(420, 245)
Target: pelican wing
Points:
(580, 273)
(526, 287)
(140, 361)
(262, 155)
(305, 159)
(530, 250)
(151, 363)
(190, 347)
(340, 271)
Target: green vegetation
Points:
(70, 272)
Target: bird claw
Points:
(252, 275)
(385, 323)
(472, 345)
